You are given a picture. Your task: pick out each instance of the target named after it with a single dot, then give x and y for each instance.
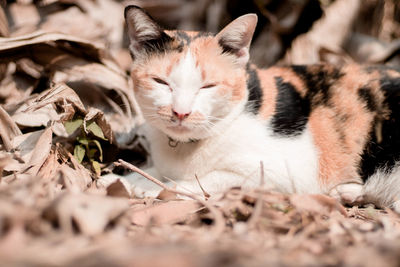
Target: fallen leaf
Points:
(72, 125)
(167, 195)
(95, 129)
(165, 213)
(8, 129)
(118, 189)
(79, 153)
(317, 204)
(40, 152)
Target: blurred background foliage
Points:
(365, 31)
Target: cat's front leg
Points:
(213, 182)
(350, 193)
(216, 181)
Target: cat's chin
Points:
(179, 129)
(182, 133)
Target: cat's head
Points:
(189, 84)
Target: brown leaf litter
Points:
(68, 114)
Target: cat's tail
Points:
(383, 188)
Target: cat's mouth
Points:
(179, 128)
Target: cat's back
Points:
(352, 112)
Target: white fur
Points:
(184, 95)
(233, 159)
(383, 188)
(185, 80)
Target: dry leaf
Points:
(40, 152)
(8, 129)
(317, 204)
(167, 195)
(165, 213)
(118, 189)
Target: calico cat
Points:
(211, 114)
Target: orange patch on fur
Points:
(214, 67)
(269, 90)
(341, 131)
(336, 163)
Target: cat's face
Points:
(189, 83)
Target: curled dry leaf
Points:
(35, 118)
(43, 47)
(40, 152)
(103, 88)
(62, 96)
(25, 144)
(8, 129)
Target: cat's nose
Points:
(181, 116)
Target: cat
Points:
(213, 115)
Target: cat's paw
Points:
(350, 193)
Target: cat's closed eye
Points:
(210, 85)
(160, 81)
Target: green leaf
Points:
(83, 140)
(91, 153)
(96, 167)
(95, 129)
(79, 152)
(72, 125)
(100, 149)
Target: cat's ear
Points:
(144, 33)
(236, 37)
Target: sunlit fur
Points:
(211, 115)
(186, 73)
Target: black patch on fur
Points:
(159, 45)
(291, 111)
(382, 69)
(203, 34)
(188, 39)
(318, 81)
(386, 153)
(184, 36)
(365, 95)
(254, 99)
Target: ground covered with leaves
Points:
(68, 115)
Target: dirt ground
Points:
(68, 115)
